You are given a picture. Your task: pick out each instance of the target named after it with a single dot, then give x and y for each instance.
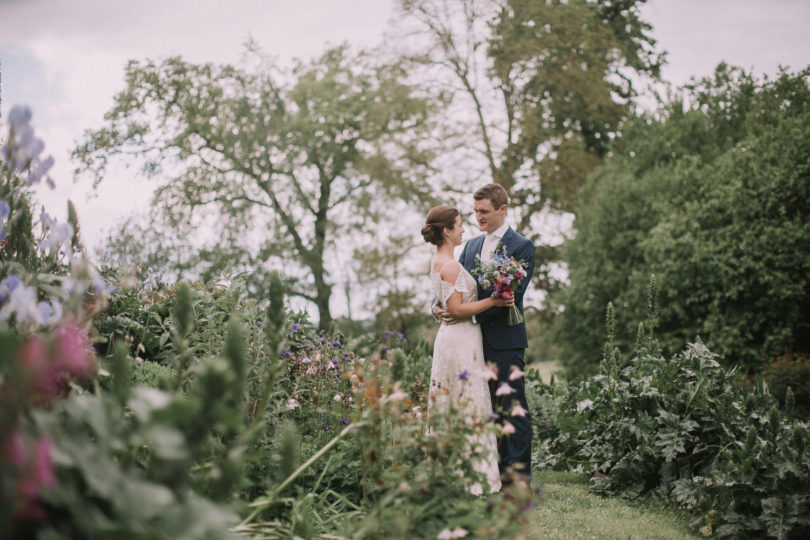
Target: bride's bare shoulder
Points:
(440, 265)
(450, 270)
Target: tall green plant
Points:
(693, 431)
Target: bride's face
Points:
(454, 235)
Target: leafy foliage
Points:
(691, 430)
(711, 195)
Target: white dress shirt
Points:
(491, 241)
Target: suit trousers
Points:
(514, 450)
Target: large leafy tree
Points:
(276, 171)
(540, 87)
(712, 195)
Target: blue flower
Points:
(294, 327)
(5, 209)
(464, 375)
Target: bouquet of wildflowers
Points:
(502, 274)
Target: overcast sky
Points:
(65, 59)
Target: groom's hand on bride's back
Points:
(443, 315)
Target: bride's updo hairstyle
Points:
(438, 219)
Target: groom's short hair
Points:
(496, 194)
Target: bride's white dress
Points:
(458, 350)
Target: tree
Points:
(279, 172)
(547, 84)
(712, 195)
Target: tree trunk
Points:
(323, 292)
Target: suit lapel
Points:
(504, 241)
(473, 248)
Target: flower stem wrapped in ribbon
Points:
(501, 274)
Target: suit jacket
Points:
(494, 327)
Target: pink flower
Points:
(42, 376)
(73, 352)
(507, 429)
(39, 473)
(506, 292)
(34, 471)
(489, 372)
(504, 389)
(515, 373)
(14, 451)
(518, 410)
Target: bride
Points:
(458, 353)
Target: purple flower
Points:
(294, 328)
(326, 427)
(336, 343)
(344, 422)
(464, 375)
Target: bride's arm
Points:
(460, 309)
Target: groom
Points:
(504, 345)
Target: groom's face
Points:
(488, 217)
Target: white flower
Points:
(338, 397)
(584, 404)
(57, 235)
(518, 410)
(507, 428)
(504, 389)
(515, 373)
(292, 404)
(448, 534)
(489, 372)
(21, 302)
(397, 394)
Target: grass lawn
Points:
(567, 510)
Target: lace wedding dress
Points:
(456, 375)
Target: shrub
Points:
(711, 194)
(688, 428)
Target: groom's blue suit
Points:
(504, 345)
